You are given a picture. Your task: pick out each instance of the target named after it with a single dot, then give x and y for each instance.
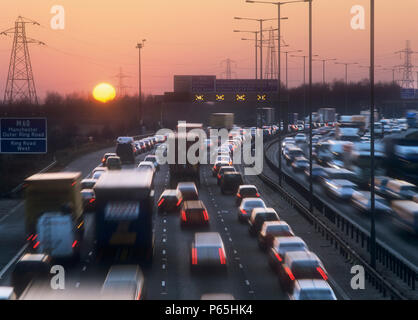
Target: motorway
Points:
(248, 276)
(401, 241)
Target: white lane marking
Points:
(163, 283)
(240, 266)
(226, 229)
(17, 256)
(163, 266)
(77, 284)
(230, 239)
(164, 230)
(164, 239)
(247, 282)
(163, 252)
(84, 268)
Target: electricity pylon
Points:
(20, 84)
(228, 68)
(407, 80)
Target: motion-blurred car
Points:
(7, 293)
(194, 213)
(169, 201)
(247, 206)
(271, 230)
(287, 141)
(153, 159)
(340, 189)
(311, 289)
(280, 246)
(107, 155)
(318, 172)
(124, 282)
(258, 217)
(146, 165)
(88, 183)
(188, 191)
(208, 251)
(113, 163)
(400, 190)
(300, 164)
(291, 152)
(246, 191)
(230, 182)
(223, 170)
(362, 201)
(300, 265)
(89, 199)
(300, 138)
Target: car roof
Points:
(194, 204)
(120, 273)
(146, 163)
(247, 186)
(169, 192)
(318, 284)
(284, 240)
(207, 239)
(250, 199)
(186, 185)
(264, 210)
(343, 182)
(300, 256)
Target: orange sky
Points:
(193, 37)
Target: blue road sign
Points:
(23, 135)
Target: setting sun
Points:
(104, 92)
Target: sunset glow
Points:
(104, 92)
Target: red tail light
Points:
(238, 195)
(74, 244)
(324, 276)
(161, 202)
(92, 200)
(289, 273)
(205, 215)
(219, 176)
(194, 256)
(183, 215)
(278, 256)
(36, 245)
(243, 212)
(29, 238)
(74, 183)
(103, 160)
(33, 239)
(257, 195)
(222, 256)
(178, 202)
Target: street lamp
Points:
(323, 76)
(279, 18)
(346, 81)
(261, 38)
(287, 52)
(139, 46)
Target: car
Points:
(87, 183)
(258, 217)
(405, 214)
(29, 267)
(311, 289)
(126, 152)
(89, 199)
(271, 230)
(217, 165)
(230, 182)
(300, 164)
(7, 293)
(107, 155)
(361, 200)
(96, 175)
(99, 169)
(146, 165)
(188, 191)
(246, 191)
(124, 282)
(194, 213)
(288, 140)
(318, 172)
(300, 138)
(208, 251)
(280, 246)
(380, 184)
(400, 190)
(340, 189)
(333, 173)
(222, 170)
(299, 265)
(113, 163)
(153, 159)
(291, 152)
(247, 206)
(169, 201)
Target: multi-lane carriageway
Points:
(248, 276)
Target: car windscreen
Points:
(315, 294)
(248, 191)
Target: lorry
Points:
(125, 150)
(54, 216)
(327, 115)
(182, 169)
(124, 212)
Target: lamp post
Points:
(323, 76)
(287, 75)
(139, 46)
(261, 38)
(279, 85)
(346, 81)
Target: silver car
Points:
(340, 189)
(208, 250)
(247, 206)
(123, 282)
(361, 200)
(312, 289)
